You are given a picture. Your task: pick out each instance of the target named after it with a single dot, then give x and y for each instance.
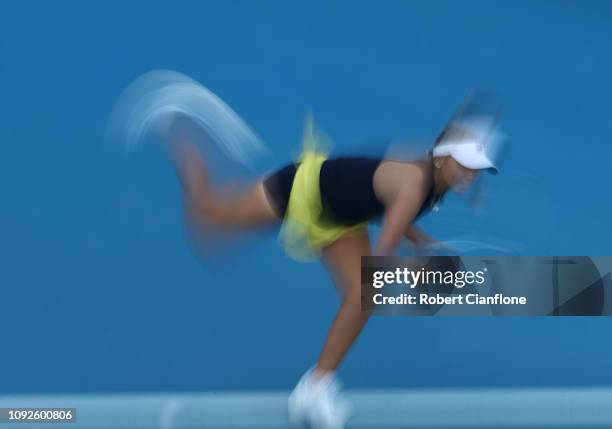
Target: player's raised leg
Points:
(215, 208)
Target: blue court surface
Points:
(424, 408)
(104, 305)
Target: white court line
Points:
(418, 408)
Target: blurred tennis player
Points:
(323, 206)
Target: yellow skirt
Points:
(303, 234)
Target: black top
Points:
(347, 190)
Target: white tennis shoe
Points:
(316, 401)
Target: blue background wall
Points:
(99, 288)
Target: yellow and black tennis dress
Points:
(321, 199)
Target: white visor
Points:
(469, 153)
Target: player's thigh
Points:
(255, 208)
(343, 260)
